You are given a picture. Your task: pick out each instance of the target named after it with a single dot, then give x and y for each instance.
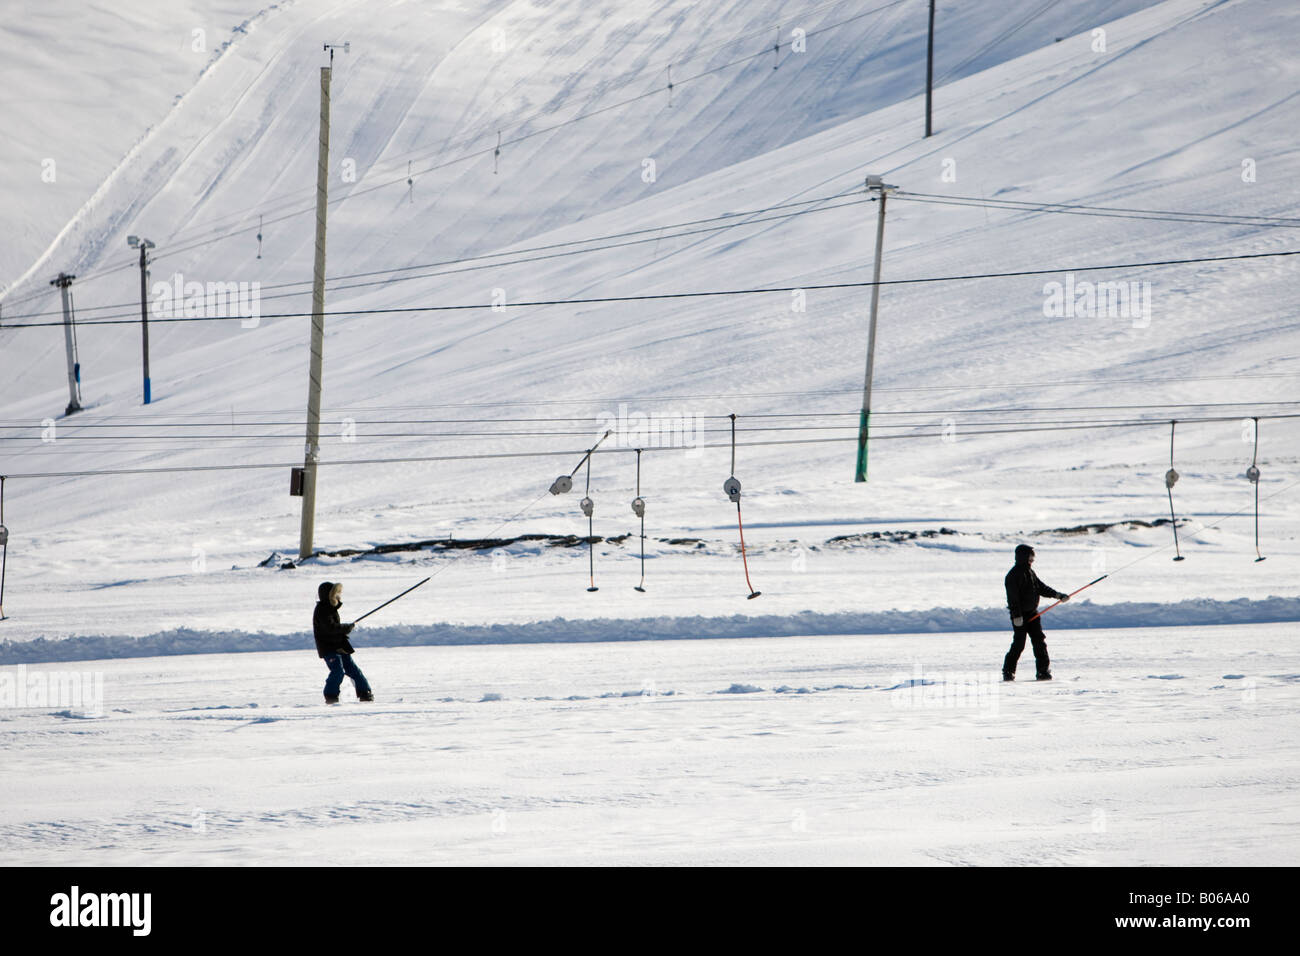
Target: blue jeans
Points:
(340, 664)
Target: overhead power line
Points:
(651, 297)
(1118, 212)
(646, 234)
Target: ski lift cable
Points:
(156, 444)
(342, 412)
(484, 456)
(149, 444)
(160, 433)
(801, 422)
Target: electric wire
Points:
(648, 234)
(653, 297)
(1102, 211)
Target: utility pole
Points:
(312, 449)
(929, 70)
(144, 245)
(64, 282)
(874, 185)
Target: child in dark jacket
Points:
(333, 646)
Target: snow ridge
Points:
(1196, 612)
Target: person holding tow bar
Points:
(1023, 591)
(333, 646)
(332, 643)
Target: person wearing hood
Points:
(1023, 591)
(333, 646)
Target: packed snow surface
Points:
(853, 715)
(1172, 746)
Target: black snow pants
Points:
(1034, 631)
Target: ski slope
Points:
(852, 715)
(1173, 748)
(1162, 119)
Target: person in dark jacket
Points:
(1023, 591)
(333, 646)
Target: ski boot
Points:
(1008, 676)
(331, 698)
(365, 696)
(1046, 675)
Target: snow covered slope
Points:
(1161, 118)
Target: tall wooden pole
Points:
(312, 449)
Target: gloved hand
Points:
(1017, 622)
(1062, 597)
(347, 628)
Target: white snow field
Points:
(195, 125)
(1168, 746)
